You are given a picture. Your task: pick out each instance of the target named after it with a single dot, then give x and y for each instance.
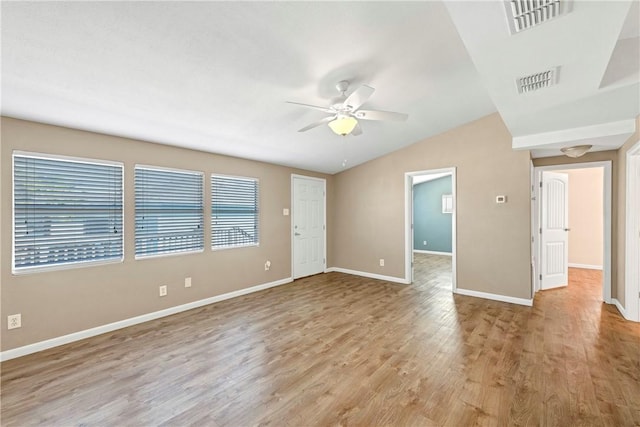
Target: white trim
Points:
(534, 231)
(47, 156)
(632, 235)
(408, 222)
(620, 308)
(369, 275)
(585, 266)
(606, 224)
(574, 134)
(87, 333)
(324, 220)
(417, 251)
(495, 297)
(166, 169)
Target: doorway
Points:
(631, 309)
(430, 218)
(308, 227)
(573, 234)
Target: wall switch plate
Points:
(163, 290)
(285, 212)
(267, 265)
(187, 282)
(14, 321)
(381, 262)
(424, 242)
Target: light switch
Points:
(285, 212)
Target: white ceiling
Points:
(214, 76)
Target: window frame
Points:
(257, 212)
(447, 203)
(202, 212)
(68, 265)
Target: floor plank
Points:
(336, 349)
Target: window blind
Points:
(66, 211)
(169, 211)
(234, 211)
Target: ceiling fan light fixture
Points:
(343, 125)
(576, 150)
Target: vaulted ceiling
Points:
(214, 76)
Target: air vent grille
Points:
(537, 81)
(529, 13)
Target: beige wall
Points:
(586, 216)
(493, 249)
(621, 213)
(56, 303)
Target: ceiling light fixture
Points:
(576, 151)
(343, 125)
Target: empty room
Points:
(228, 213)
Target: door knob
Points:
(567, 229)
(296, 234)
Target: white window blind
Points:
(169, 211)
(234, 211)
(66, 211)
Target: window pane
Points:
(66, 211)
(234, 211)
(169, 211)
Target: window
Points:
(169, 211)
(447, 203)
(65, 212)
(234, 211)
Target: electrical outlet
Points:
(187, 282)
(14, 321)
(163, 290)
(381, 262)
(267, 265)
(424, 242)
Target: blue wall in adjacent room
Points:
(429, 223)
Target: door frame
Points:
(606, 223)
(632, 228)
(324, 219)
(408, 223)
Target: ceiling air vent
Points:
(523, 14)
(537, 81)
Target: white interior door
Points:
(554, 225)
(308, 226)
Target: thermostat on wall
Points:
(501, 199)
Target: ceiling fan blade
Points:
(315, 107)
(380, 115)
(357, 130)
(359, 97)
(318, 123)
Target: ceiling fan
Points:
(345, 113)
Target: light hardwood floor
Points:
(335, 349)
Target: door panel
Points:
(555, 227)
(308, 226)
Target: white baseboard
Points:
(587, 266)
(369, 275)
(495, 297)
(619, 307)
(417, 251)
(87, 333)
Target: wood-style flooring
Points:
(335, 349)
